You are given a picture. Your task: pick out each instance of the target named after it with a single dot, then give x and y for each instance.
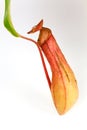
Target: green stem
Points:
(7, 19)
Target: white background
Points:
(25, 98)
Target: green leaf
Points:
(7, 19)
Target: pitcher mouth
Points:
(44, 35)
